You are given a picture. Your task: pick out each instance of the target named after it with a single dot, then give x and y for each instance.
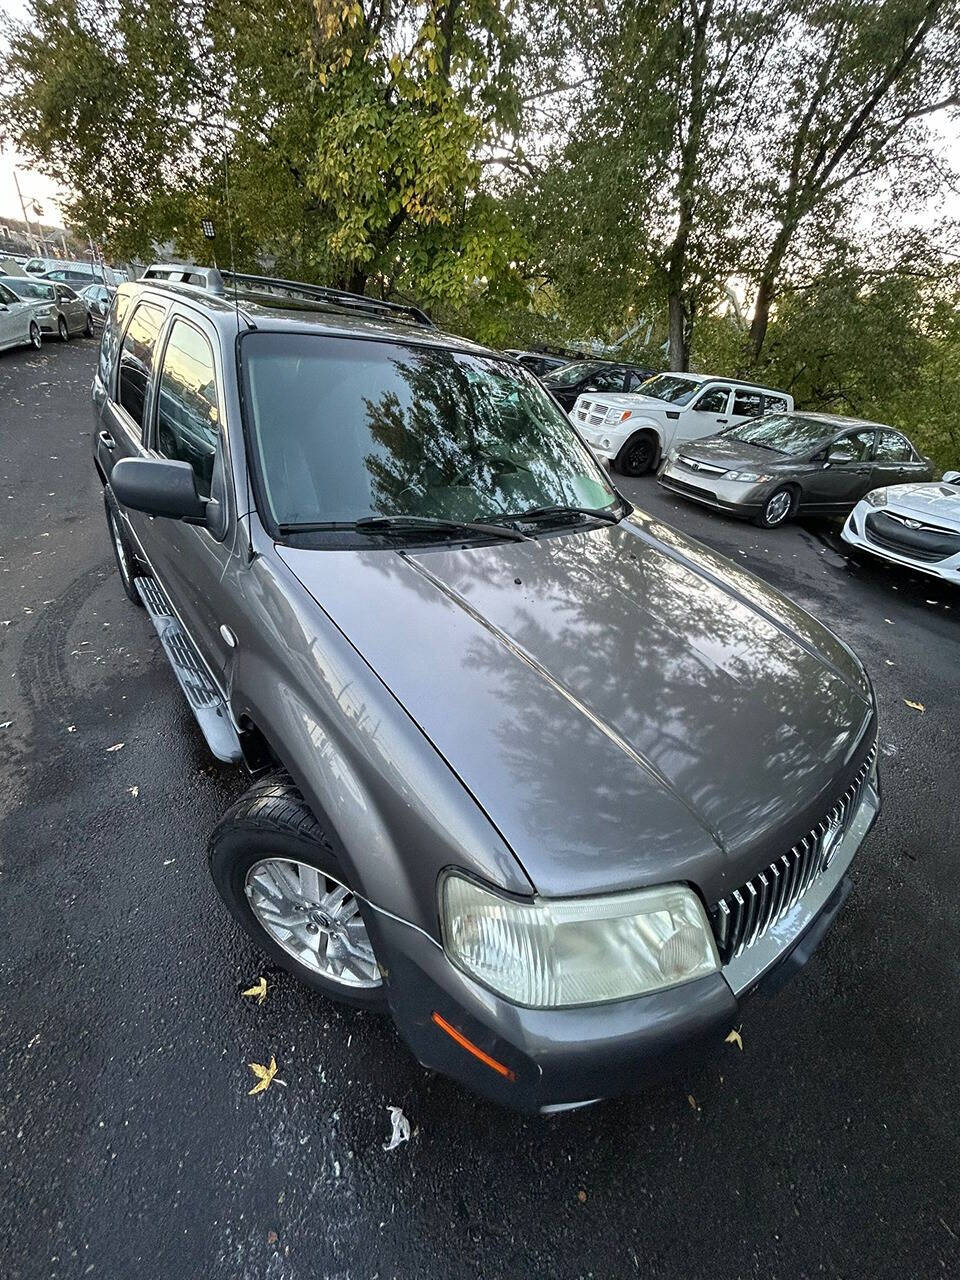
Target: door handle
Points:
(107, 440)
(722, 419)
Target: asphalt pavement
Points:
(129, 1145)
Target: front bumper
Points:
(607, 442)
(854, 535)
(555, 1059)
(733, 496)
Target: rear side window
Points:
(748, 404)
(892, 447)
(188, 413)
(774, 404)
(111, 336)
(136, 359)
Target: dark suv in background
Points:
(572, 380)
(487, 706)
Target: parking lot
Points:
(128, 1143)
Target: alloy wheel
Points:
(36, 338)
(62, 329)
(314, 918)
(778, 507)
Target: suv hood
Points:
(627, 707)
(938, 500)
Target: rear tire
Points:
(36, 337)
(88, 331)
(638, 455)
(62, 329)
(777, 509)
(276, 871)
(126, 563)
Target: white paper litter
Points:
(400, 1129)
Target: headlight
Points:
(877, 497)
(554, 953)
(752, 477)
(618, 415)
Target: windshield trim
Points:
(349, 539)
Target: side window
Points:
(747, 404)
(854, 447)
(111, 337)
(774, 404)
(606, 380)
(7, 296)
(713, 401)
(188, 414)
(136, 359)
(634, 380)
(891, 447)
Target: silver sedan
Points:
(916, 525)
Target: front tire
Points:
(637, 456)
(62, 329)
(36, 337)
(88, 331)
(777, 509)
(276, 871)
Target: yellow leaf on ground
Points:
(735, 1038)
(917, 706)
(264, 1075)
(259, 989)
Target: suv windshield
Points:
(669, 387)
(345, 429)
(785, 432)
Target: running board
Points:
(201, 693)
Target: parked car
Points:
(541, 362)
(67, 271)
(572, 380)
(19, 322)
(97, 299)
(494, 786)
(634, 431)
(916, 525)
(770, 469)
(40, 294)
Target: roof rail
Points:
(210, 280)
(322, 293)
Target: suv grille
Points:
(591, 414)
(745, 915)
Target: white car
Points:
(19, 321)
(634, 429)
(917, 525)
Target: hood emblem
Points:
(831, 838)
(911, 524)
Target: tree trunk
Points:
(678, 355)
(358, 280)
(761, 316)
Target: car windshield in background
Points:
(570, 374)
(787, 433)
(669, 387)
(344, 430)
(29, 290)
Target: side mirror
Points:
(160, 489)
(102, 307)
(951, 477)
(839, 455)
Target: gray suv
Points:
(553, 783)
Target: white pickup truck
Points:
(634, 429)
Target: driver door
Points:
(843, 474)
(706, 416)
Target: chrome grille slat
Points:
(745, 914)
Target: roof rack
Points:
(211, 280)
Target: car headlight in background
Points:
(877, 497)
(555, 953)
(752, 477)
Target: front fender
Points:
(394, 811)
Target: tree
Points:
(846, 114)
(350, 133)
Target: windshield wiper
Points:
(386, 524)
(560, 509)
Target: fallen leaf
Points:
(888, 662)
(399, 1129)
(693, 1102)
(917, 706)
(116, 747)
(888, 621)
(272, 1237)
(582, 1197)
(71, 728)
(6, 724)
(264, 1075)
(134, 790)
(259, 990)
(735, 1038)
